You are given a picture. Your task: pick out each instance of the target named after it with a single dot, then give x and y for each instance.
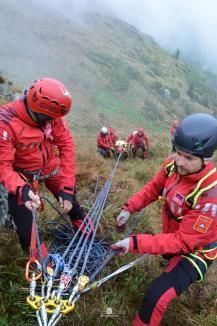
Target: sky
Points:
(188, 25)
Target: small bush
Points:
(2, 80)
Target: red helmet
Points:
(50, 97)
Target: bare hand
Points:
(66, 205)
(34, 201)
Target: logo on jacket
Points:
(178, 198)
(202, 224)
(65, 93)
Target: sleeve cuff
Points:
(68, 190)
(133, 246)
(125, 207)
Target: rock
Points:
(4, 215)
(166, 93)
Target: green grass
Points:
(114, 109)
(117, 76)
(124, 293)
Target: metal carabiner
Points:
(38, 270)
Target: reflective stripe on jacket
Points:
(198, 225)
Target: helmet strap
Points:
(30, 112)
(34, 115)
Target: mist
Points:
(187, 25)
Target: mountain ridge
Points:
(116, 74)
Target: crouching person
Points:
(187, 187)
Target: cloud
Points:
(189, 25)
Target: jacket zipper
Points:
(40, 146)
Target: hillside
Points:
(117, 75)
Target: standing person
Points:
(31, 129)
(187, 187)
(139, 140)
(174, 126)
(104, 142)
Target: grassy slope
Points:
(124, 293)
(117, 76)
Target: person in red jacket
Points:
(187, 187)
(31, 129)
(113, 136)
(104, 142)
(139, 140)
(174, 126)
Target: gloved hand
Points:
(122, 218)
(122, 246)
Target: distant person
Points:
(139, 140)
(187, 187)
(104, 142)
(113, 136)
(32, 128)
(173, 127)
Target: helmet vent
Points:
(34, 97)
(55, 102)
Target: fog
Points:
(188, 25)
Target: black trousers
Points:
(178, 276)
(22, 217)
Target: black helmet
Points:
(197, 134)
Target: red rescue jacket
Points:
(113, 136)
(185, 229)
(136, 140)
(173, 127)
(104, 141)
(24, 144)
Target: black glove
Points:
(25, 193)
(66, 196)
